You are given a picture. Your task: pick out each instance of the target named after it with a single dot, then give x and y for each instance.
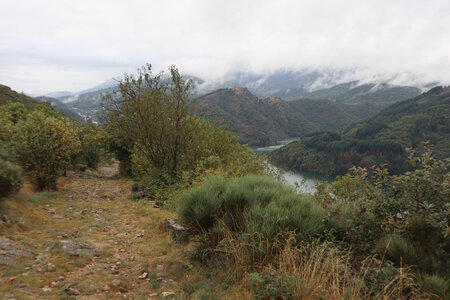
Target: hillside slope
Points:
(381, 139)
(7, 94)
(266, 121)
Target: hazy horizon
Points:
(52, 46)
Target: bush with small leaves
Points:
(10, 178)
(44, 147)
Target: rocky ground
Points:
(89, 240)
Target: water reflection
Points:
(304, 182)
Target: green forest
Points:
(379, 231)
(382, 139)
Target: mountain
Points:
(313, 84)
(60, 106)
(285, 84)
(381, 139)
(266, 121)
(58, 94)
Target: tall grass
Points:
(314, 270)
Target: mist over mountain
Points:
(285, 84)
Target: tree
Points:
(44, 147)
(151, 115)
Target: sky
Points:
(62, 45)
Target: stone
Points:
(167, 294)
(9, 252)
(60, 278)
(51, 267)
(76, 248)
(116, 282)
(143, 275)
(6, 219)
(46, 289)
(178, 230)
(70, 290)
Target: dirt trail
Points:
(124, 251)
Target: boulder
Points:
(9, 252)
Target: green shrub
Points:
(44, 147)
(399, 250)
(10, 178)
(435, 285)
(258, 209)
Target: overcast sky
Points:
(72, 45)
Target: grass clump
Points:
(255, 209)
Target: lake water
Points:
(304, 182)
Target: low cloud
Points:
(73, 45)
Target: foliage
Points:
(403, 217)
(10, 178)
(93, 140)
(438, 286)
(153, 115)
(44, 147)
(256, 209)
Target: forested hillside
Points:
(382, 139)
(266, 121)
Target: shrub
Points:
(436, 285)
(44, 147)
(10, 178)
(257, 209)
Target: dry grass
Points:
(312, 271)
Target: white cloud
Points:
(52, 45)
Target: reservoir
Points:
(304, 182)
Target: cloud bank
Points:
(50, 45)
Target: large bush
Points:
(44, 147)
(402, 217)
(10, 178)
(257, 209)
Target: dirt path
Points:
(115, 247)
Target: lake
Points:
(304, 182)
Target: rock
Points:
(154, 203)
(92, 287)
(60, 278)
(24, 288)
(70, 290)
(76, 248)
(9, 296)
(153, 295)
(116, 282)
(9, 251)
(140, 235)
(167, 294)
(6, 219)
(50, 267)
(143, 275)
(179, 231)
(46, 289)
